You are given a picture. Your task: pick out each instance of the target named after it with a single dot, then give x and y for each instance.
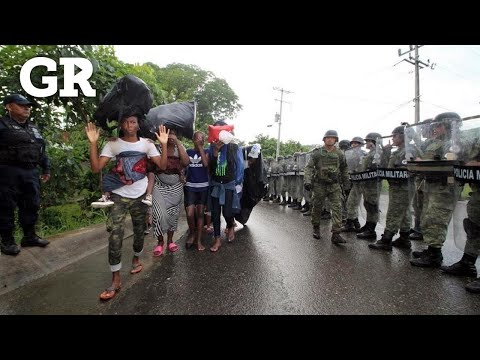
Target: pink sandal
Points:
(158, 250)
(172, 247)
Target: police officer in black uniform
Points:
(22, 150)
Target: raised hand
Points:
(163, 134)
(92, 132)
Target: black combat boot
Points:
(31, 239)
(416, 236)
(385, 242)
(7, 245)
(337, 238)
(293, 204)
(348, 227)
(298, 207)
(308, 213)
(289, 200)
(306, 207)
(403, 241)
(419, 254)
(356, 225)
(316, 231)
(266, 198)
(432, 257)
(369, 232)
(276, 199)
(474, 286)
(465, 267)
(284, 202)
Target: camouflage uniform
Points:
(331, 171)
(441, 199)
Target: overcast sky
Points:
(352, 89)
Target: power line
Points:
(396, 109)
(441, 107)
(418, 65)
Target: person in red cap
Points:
(22, 152)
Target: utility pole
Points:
(416, 62)
(279, 117)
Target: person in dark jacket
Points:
(22, 152)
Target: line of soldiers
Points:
(426, 166)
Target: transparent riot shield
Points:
(354, 158)
(466, 217)
(370, 188)
(431, 160)
(301, 162)
(396, 182)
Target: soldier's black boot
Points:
(465, 267)
(306, 207)
(385, 242)
(432, 257)
(7, 245)
(416, 235)
(31, 239)
(356, 225)
(403, 241)
(361, 229)
(266, 198)
(284, 202)
(474, 286)
(337, 238)
(369, 232)
(419, 254)
(348, 227)
(298, 207)
(316, 231)
(289, 200)
(293, 204)
(308, 213)
(276, 199)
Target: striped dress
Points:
(167, 197)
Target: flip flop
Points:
(110, 292)
(158, 250)
(136, 268)
(172, 247)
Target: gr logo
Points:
(69, 78)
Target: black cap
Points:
(17, 99)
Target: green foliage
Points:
(57, 219)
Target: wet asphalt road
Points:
(275, 266)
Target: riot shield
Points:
(466, 217)
(391, 154)
(354, 158)
(431, 160)
(370, 187)
(301, 162)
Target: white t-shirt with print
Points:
(113, 148)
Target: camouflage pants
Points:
(353, 201)
(291, 186)
(399, 216)
(418, 202)
(371, 195)
(333, 193)
(437, 213)
(307, 195)
(121, 207)
(299, 187)
(272, 186)
(472, 245)
(281, 186)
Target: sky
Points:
(354, 89)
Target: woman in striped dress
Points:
(167, 194)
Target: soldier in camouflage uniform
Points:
(418, 197)
(399, 216)
(281, 186)
(370, 189)
(299, 172)
(470, 155)
(441, 196)
(330, 167)
(354, 157)
(275, 181)
(307, 211)
(292, 181)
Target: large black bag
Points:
(177, 116)
(129, 96)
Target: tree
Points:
(269, 146)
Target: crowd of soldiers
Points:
(426, 167)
